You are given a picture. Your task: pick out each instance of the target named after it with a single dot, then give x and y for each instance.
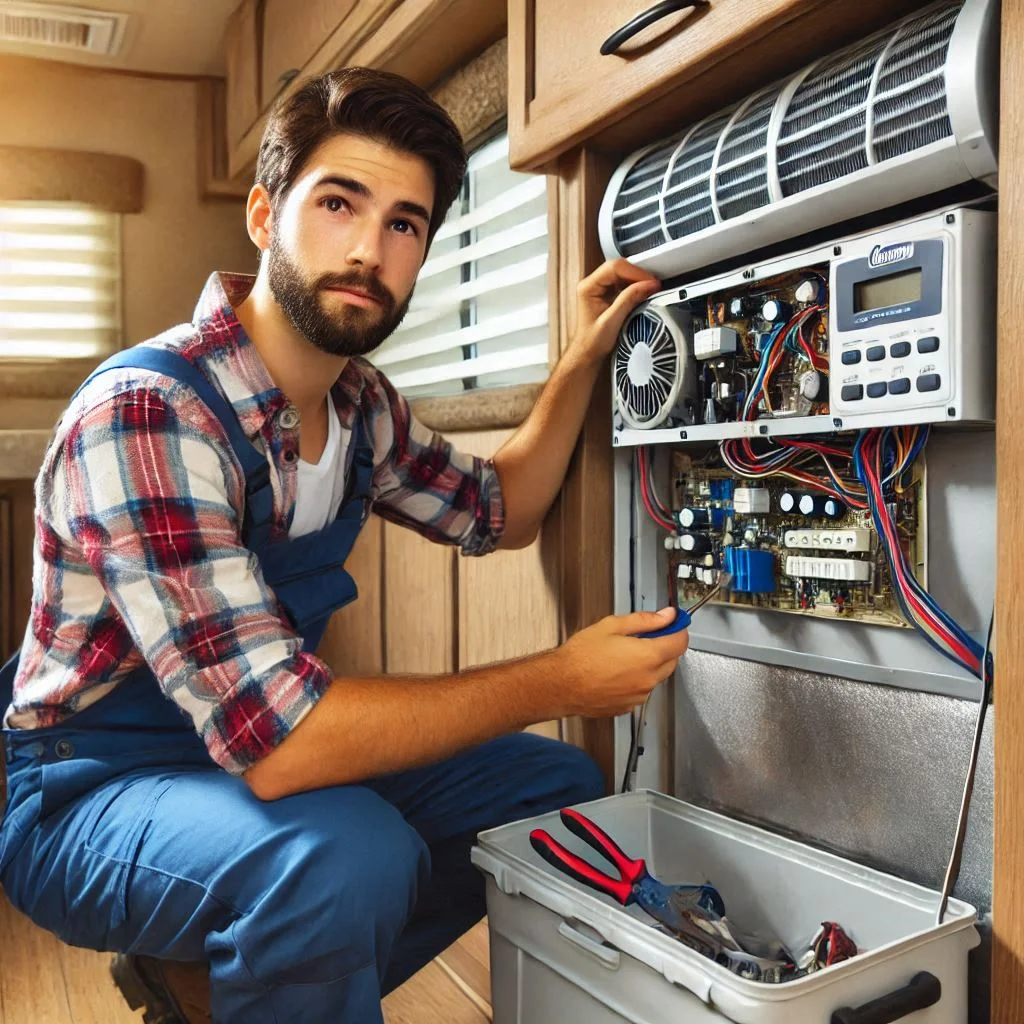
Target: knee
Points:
(345, 880)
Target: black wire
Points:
(635, 726)
(953, 867)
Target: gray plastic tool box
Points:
(564, 954)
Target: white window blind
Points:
(479, 316)
(60, 281)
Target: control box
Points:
(892, 326)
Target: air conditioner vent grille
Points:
(65, 28)
(881, 98)
(910, 108)
(741, 180)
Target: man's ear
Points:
(258, 217)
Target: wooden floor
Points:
(42, 981)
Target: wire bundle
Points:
(794, 459)
(787, 338)
(656, 509)
(880, 457)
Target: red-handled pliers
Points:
(634, 884)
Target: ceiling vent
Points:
(66, 28)
(906, 112)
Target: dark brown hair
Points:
(376, 105)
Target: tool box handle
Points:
(924, 990)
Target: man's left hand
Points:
(603, 301)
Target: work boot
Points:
(167, 991)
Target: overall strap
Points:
(357, 497)
(259, 498)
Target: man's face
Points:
(347, 242)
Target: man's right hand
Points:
(606, 669)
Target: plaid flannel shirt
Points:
(138, 556)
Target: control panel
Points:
(893, 326)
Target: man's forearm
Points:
(363, 727)
(532, 464)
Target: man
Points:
(187, 781)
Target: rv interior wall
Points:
(177, 240)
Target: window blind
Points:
(479, 315)
(60, 281)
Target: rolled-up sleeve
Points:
(424, 483)
(150, 500)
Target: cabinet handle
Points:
(645, 18)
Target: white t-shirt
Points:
(321, 487)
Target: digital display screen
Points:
(891, 290)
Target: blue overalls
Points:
(121, 833)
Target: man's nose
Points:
(365, 247)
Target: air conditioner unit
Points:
(906, 112)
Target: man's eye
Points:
(404, 227)
(334, 203)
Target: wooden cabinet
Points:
(241, 46)
(563, 91)
(273, 46)
(295, 30)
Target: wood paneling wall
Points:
(424, 609)
(1008, 863)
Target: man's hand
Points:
(607, 670)
(604, 300)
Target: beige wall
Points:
(176, 241)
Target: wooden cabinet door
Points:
(563, 91)
(241, 47)
(294, 31)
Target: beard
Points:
(352, 330)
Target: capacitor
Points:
(736, 308)
(695, 543)
(709, 560)
(670, 543)
(807, 291)
(694, 518)
(812, 505)
(810, 384)
(788, 501)
(684, 572)
(834, 508)
(775, 311)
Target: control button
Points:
(851, 356)
(929, 382)
(875, 353)
(852, 392)
(899, 387)
(877, 388)
(899, 349)
(929, 344)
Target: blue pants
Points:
(121, 834)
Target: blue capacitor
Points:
(753, 570)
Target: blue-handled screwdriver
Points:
(684, 616)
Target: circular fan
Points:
(650, 363)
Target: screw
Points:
(950, 218)
(951, 411)
(615, 440)
(682, 293)
(837, 422)
(763, 429)
(682, 435)
(837, 250)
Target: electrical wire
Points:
(953, 867)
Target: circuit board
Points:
(761, 350)
(793, 548)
